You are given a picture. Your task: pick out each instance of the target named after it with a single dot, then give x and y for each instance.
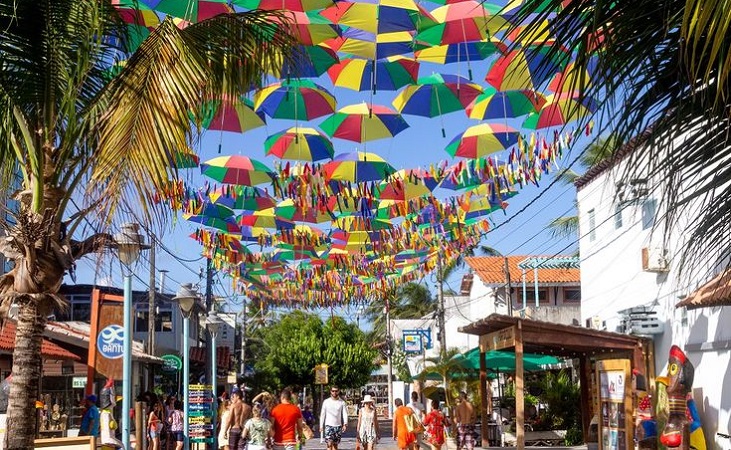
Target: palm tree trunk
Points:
(25, 385)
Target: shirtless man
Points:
(240, 413)
(465, 418)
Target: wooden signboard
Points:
(321, 374)
(106, 338)
(498, 340)
(614, 380)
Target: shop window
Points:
(649, 208)
(592, 225)
(572, 295)
(81, 310)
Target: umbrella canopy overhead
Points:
(294, 99)
(466, 21)
(380, 16)
(300, 144)
(482, 140)
(436, 94)
(236, 115)
(494, 104)
(387, 74)
(559, 110)
(364, 123)
(503, 361)
(364, 44)
(358, 167)
(237, 169)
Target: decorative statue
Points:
(679, 381)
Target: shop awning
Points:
(716, 292)
(49, 350)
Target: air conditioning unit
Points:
(641, 321)
(655, 259)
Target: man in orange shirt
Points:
(405, 438)
(287, 422)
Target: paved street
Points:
(348, 442)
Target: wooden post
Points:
(519, 406)
(140, 421)
(484, 410)
(586, 379)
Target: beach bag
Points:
(413, 425)
(307, 431)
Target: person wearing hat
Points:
(90, 420)
(366, 431)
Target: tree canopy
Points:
(298, 341)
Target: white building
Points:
(630, 282)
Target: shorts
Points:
(333, 434)
(178, 436)
(154, 434)
(466, 436)
(284, 447)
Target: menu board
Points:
(200, 420)
(615, 404)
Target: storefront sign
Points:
(615, 404)
(110, 342)
(171, 363)
(78, 382)
(415, 341)
(498, 340)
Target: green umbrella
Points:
(502, 361)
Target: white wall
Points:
(612, 279)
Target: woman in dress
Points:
(435, 423)
(257, 429)
(154, 425)
(225, 416)
(367, 429)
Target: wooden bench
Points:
(538, 438)
(68, 443)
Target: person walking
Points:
(419, 411)
(154, 425)
(287, 422)
(176, 424)
(367, 429)
(435, 422)
(257, 430)
(333, 419)
(90, 420)
(465, 418)
(401, 434)
(240, 413)
(225, 418)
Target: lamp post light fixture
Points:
(186, 298)
(128, 242)
(213, 324)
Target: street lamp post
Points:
(128, 242)
(213, 323)
(186, 298)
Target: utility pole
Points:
(243, 341)
(151, 319)
(389, 354)
(440, 312)
(508, 290)
(210, 371)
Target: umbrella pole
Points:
(439, 110)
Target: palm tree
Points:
(446, 366)
(72, 136)
(662, 69)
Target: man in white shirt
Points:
(419, 412)
(333, 419)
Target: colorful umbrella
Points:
(459, 52)
(294, 99)
(364, 122)
(493, 104)
(365, 44)
(483, 139)
(310, 28)
(300, 144)
(228, 224)
(236, 115)
(390, 74)
(525, 69)
(405, 185)
(436, 95)
(242, 197)
(380, 16)
(291, 5)
(208, 208)
(561, 109)
(289, 211)
(193, 10)
(462, 22)
(136, 13)
(573, 79)
(357, 167)
(265, 218)
(316, 60)
(253, 234)
(237, 169)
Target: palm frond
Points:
(564, 227)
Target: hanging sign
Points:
(498, 340)
(321, 373)
(171, 363)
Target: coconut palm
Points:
(72, 136)
(663, 69)
(447, 366)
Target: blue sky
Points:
(418, 146)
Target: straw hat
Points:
(367, 399)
